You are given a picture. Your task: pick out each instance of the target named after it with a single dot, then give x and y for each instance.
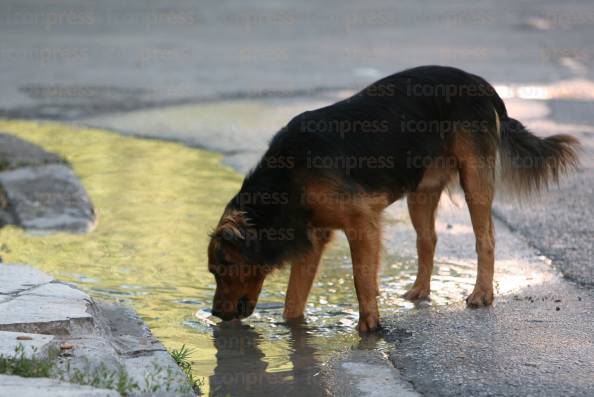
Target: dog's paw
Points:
(417, 293)
(368, 323)
(480, 297)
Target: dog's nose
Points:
(243, 307)
(216, 313)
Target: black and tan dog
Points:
(338, 167)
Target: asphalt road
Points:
(67, 58)
(224, 75)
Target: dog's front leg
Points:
(303, 273)
(363, 234)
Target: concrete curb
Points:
(39, 191)
(91, 336)
(33, 387)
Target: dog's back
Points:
(384, 137)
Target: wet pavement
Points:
(227, 76)
(535, 342)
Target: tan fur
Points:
(477, 178)
(231, 223)
(303, 273)
(422, 207)
(358, 215)
(334, 207)
(364, 235)
(240, 278)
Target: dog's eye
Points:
(217, 278)
(216, 269)
(221, 270)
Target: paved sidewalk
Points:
(93, 340)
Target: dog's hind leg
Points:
(303, 273)
(363, 233)
(422, 207)
(478, 181)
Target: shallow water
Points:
(156, 203)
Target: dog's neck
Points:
(271, 205)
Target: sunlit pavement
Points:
(232, 74)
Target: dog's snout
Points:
(229, 311)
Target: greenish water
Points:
(156, 202)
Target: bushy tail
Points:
(529, 163)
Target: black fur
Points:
(379, 140)
(529, 163)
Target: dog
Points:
(408, 135)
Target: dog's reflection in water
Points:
(241, 368)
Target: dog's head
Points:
(233, 260)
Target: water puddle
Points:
(156, 203)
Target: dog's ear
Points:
(232, 227)
(236, 230)
(230, 232)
